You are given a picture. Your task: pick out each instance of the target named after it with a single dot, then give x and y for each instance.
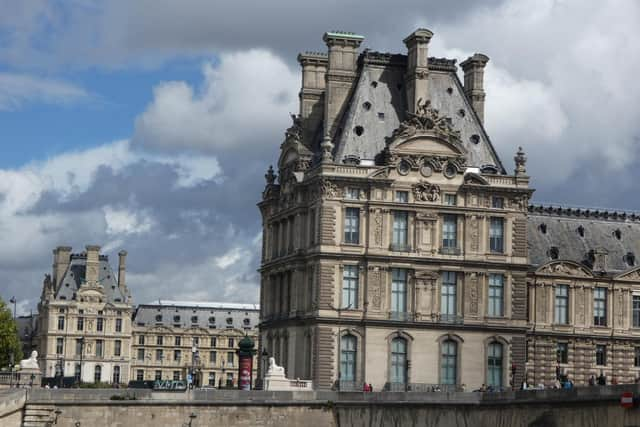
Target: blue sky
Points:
(148, 125)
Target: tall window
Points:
(78, 347)
(494, 364)
(116, 374)
(350, 287)
(177, 355)
(449, 232)
(158, 375)
(563, 352)
(176, 375)
(59, 345)
(352, 225)
(312, 226)
(61, 323)
(496, 295)
(159, 340)
(562, 304)
(159, 354)
(118, 325)
(117, 348)
(80, 325)
(600, 306)
(400, 227)
(141, 340)
(231, 342)
(496, 235)
(99, 348)
(76, 372)
(601, 355)
(213, 357)
(99, 324)
(399, 360)
(97, 374)
(213, 342)
(448, 362)
(398, 290)
(178, 341)
(636, 311)
(448, 295)
(636, 357)
(140, 375)
(348, 346)
(230, 358)
(141, 354)
(212, 379)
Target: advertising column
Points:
(245, 366)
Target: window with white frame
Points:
(600, 306)
(402, 197)
(562, 304)
(350, 287)
(496, 295)
(496, 235)
(348, 352)
(448, 295)
(352, 193)
(636, 311)
(448, 362)
(400, 229)
(450, 232)
(352, 225)
(450, 199)
(398, 360)
(398, 290)
(494, 364)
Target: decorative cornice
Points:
(582, 212)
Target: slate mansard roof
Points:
(75, 276)
(575, 234)
(188, 314)
(379, 104)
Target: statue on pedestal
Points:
(31, 362)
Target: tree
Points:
(9, 340)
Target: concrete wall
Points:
(588, 406)
(11, 407)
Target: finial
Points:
(327, 148)
(270, 176)
(521, 162)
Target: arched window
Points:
(449, 362)
(399, 360)
(97, 374)
(348, 352)
(116, 374)
(494, 364)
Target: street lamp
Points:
(11, 363)
(81, 354)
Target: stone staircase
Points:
(38, 415)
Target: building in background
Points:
(84, 318)
(172, 339)
(399, 251)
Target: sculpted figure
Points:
(31, 362)
(275, 369)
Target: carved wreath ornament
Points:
(426, 192)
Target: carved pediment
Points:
(630, 275)
(426, 120)
(564, 268)
(475, 179)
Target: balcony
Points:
(451, 318)
(400, 315)
(450, 250)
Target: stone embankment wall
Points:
(12, 402)
(589, 406)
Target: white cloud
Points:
(240, 100)
(126, 221)
(16, 90)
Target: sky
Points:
(148, 125)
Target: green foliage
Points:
(9, 340)
(96, 385)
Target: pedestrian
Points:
(592, 380)
(370, 388)
(524, 385)
(614, 381)
(602, 380)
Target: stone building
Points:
(84, 318)
(172, 339)
(399, 250)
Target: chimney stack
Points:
(92, 265)
(61, 261)
(122, 259)
(314, 68)
(473, 68)
(417, 67)
(340, 76)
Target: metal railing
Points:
(421, 387)
(451, 318)
(400, 315)
(450, 250)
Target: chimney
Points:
(314, 68)
(473, 68)
(417, 67)
(341, 74)
(93, 265)
(122, 259)
(61, 261)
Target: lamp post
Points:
(14, 301)
(11, 362)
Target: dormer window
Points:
(352, 193)
(580, 230)
(194, 319)
(543, 228)
(617, 234)
(554, 252)
(630, 259)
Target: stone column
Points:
(417, 67)
(473, 69)
(93, 264)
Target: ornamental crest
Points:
(294, 132)
(328, 189)
(426, 119)
(426, 192)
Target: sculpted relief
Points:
(426, 192)
(564, 269)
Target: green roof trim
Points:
(344, 35)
